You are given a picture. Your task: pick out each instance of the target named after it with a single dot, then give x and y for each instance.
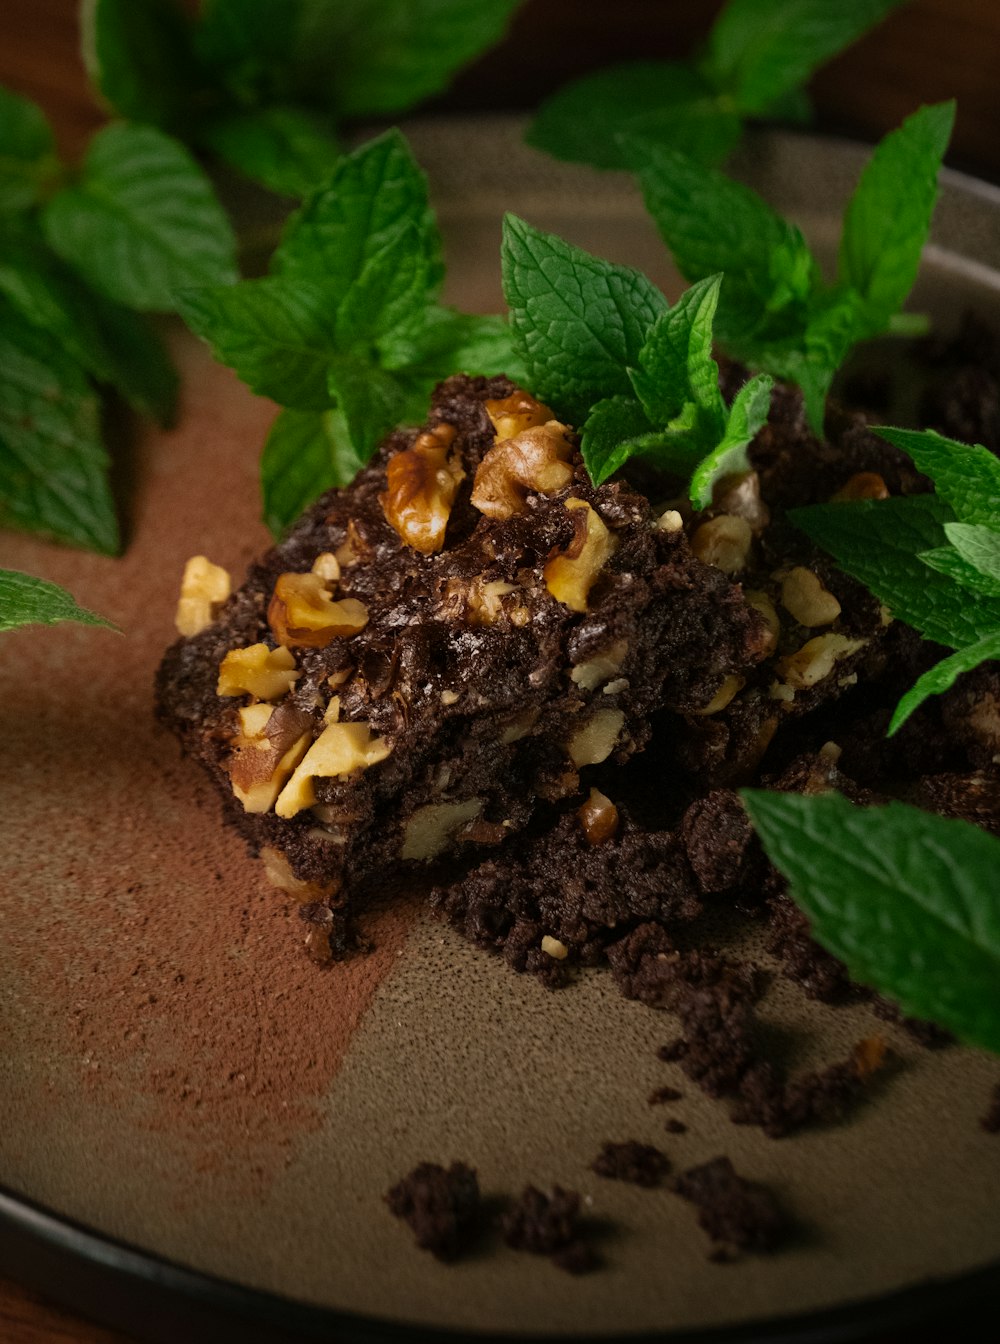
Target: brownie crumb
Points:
(738, 1215)
(662, 1094)
(441, 1206)
(991, 1120)
(549, 1225)
(673, 1126)
(640, 1163)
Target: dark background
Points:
(927, 51)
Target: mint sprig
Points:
(27, 600)
(602, 346)
(934, 560)
(347, 332)
(756, 59)
(776, 312)
(906, 899)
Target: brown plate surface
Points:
(176, 1073)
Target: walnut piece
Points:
(340, 750)
(479, 601)
(762, 603)
(431, 829)
(862, 485)
(535, 461)
(204, 587)
(267, 748)
(593, 672)
(421, 484)
(731, 686)
(279, 873)
(816, 659)
(511, 415)
(804, 597)
(599, 818)
(739, 495)
(569, 575)
(554, 948)
(596, 739)
(723, 542)
(303, 615)
(266, 674)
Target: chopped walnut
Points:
(327, 566)
(816, 659)
(303, 614)
(731, 687)
(569, 575)
(511, 415)
(599, 818)
(352, 548)
(267, 674)
(596, 739)
(431, 829)
(862, 485)
(740, 497)
(269, 745)
(553, 948)
(204, 587)
(279, 873)
(669, 521)
(723, 542)
(593, 672)
(762, 603)
(341, 749)
(535, 461)
(477, 601)
(804, 597)
(421, 484)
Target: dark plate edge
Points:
(161, 1301)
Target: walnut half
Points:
(536, 461)
(302, 613)
(421, 484)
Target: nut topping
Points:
(723, 542)
(569, 575)
(204, 587)
(267, 748)
(341, 749)
(816, 659)
(266, 674)
(421, 485)
(595, 740)
(535, 461)
(862, 485)
(477, 601)
(515, 413)
(731, 686)
(602, 667)
(805, 598)
(599, 818)
(302, 613)
(739, 495)
(762, 603)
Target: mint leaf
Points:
(711, 224)
(445, 341)
(946, 560)
(27, 152)
(906, 899)
(579, 322)
(832, 326)
(372, 401)
(140, 57)
(26, 600)
(114, 345)
(889, 215)
(614, 431)
(373, 195)
(305, 454)
(759, 51)
(747, 416)
(287, 149)
(246, 53)
(663, 101)
(943, 675)
(676, 364)
(142, 222)
(372, 60)
(53, 465)
(389, 293)
(277, 333)
(966, 476)
(979, 546)
(879, 542)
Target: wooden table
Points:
(928, 50)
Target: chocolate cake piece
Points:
(440, 1205)
(462, 633)
(640, 1163)
(736, 1213)
(549, 1225)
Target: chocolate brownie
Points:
(640, 1163)
(434, 652)
(440, 1205)
(549, 1225)
(736, 1213)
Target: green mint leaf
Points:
(277, 333)
(27, 152)
(372, 60)
(612, 433)
(305, 454)
(53, 464)
(445, 341)
(371, 401)
(889, 216)
(946, 560)
(389, 293)
(663, 101)
(26, 600)
(747, 416)
(676, 364)
(759, 51)
(373, 195)
(966, 476)
(113, 344)
(711, 224)
(943, 675)
(142, 222)
(832, 327)
(286, 149)
(906, 899)
(579, 322)
(978, 545)
(246, 52)
(140, 58)
(879, 542)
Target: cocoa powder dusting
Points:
(141, 944)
